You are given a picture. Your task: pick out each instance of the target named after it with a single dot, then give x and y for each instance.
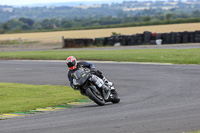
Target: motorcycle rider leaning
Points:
(73, 65)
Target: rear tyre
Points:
(115, 97)
(97, 98)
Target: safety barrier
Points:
(150, 38)
(136, 39)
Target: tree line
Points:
(26, 24)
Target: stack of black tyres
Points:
(191, 37)
(185, 37)
(139, 39)
(99, 41)
(116, 39)
(173, 37)
(111, 41)
(197, 36)
(147, 37)
(158, 36)
(129, 40)
(166, 38)
(105, 42)
(123, 40)
(132, 40)
(178, 37)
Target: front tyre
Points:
(97, 98)
(115, 97)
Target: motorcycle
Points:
(94, 87)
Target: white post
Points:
(63, 41)
(21, 43)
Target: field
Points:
(51, 40)
(103, 32)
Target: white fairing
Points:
(98, 81)
(74, 82)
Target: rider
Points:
(74, 65)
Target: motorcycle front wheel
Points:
(97, 98)
(116, 97)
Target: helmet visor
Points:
(71, 64)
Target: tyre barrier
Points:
(197, 36)
(150, 38)
(137, 39)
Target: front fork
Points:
(107, 94)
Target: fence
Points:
(75, 43)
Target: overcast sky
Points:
(27, 2)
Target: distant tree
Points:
(116, 34)
(168, 16)
(159, 17)
(2, 31)
(25, 27)
(14, 23)
(67, 25)
(146, 19)
(47, 24)
(28, 21)
(136, 19)
(5, 26)
(183, 15)
(196, 13)
(17, 29)
(37, 26)
(122, 14)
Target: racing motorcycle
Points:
(94, 87)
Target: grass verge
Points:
(175, 56)
(24, 97)
(195, 132)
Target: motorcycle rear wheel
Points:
(98, 99)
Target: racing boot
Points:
(112, 88)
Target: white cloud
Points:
(27, 2)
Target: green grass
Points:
(195, 132)
(24, 97)
(175, 56)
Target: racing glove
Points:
(92, 69)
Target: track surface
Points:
(165, 46)
(154, 99)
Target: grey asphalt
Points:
(155, 98)
(163, 46)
